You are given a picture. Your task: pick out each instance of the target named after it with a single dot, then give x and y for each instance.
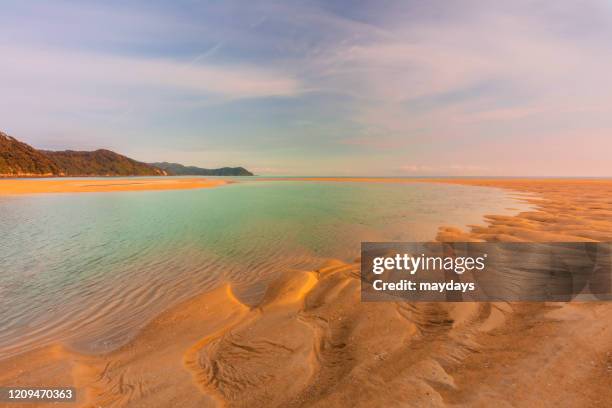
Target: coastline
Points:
(311, 342)
(51, 185)
(566, 209)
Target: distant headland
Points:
(18, 159)
(177, 169)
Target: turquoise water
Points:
(91, 269)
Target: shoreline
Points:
(311, 342)
(51, 185)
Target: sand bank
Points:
(36, 186)
(311, 342)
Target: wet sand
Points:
(311, 342)
(37, 186)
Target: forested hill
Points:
(20, 159)
(17, 159)
(101, 163)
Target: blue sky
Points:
(318, 87)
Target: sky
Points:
(387, 88)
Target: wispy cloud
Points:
(531, 68)
(489, 86)
(80, 70)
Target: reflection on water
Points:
(91, 269)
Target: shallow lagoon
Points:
(91, 269)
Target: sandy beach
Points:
(311, 342)
(37, 186)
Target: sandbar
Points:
(38, 186)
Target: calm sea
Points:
(91, 269)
